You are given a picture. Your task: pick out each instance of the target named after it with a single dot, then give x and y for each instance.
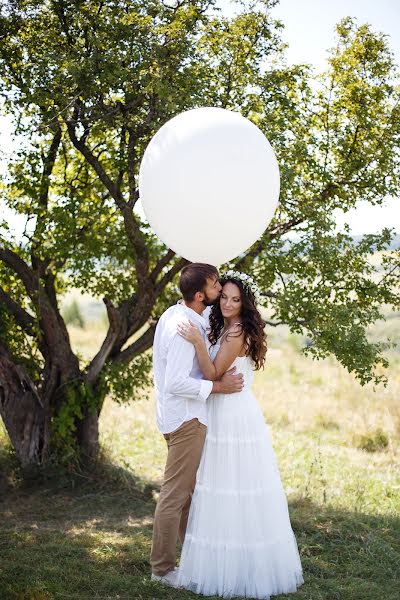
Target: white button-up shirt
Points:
(181, 391)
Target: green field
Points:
(338, 447)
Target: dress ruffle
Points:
(247, 570)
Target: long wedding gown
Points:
(239, 540)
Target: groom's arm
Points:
(180, 357)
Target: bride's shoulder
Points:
(236, 328)
(233, 331)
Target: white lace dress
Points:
(239, 540)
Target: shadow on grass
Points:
(88, 536)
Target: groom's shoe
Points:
(169, 578)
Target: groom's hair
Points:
(193, 279)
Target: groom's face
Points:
(212, 291)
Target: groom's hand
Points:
(229, 383)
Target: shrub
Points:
(73, 316)
(373, 441)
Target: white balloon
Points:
(209, 184)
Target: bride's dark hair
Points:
(252, 324)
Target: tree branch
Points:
(19, 266)
(279, 230)
(269, 294)
(131, 226)
(93, 161)
(161, 264)
(122, 144)
(17, 378)
(113, 332)
(23, 318)
(48, 166)
(170, 275)
(326, 124)
(138, 242)
(143, 343)
(133, 194)
(63, 20)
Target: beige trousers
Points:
(185, 446)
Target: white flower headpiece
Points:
(248, 283)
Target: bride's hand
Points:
(190, 332)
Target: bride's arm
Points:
(192, 334)
(229, 350)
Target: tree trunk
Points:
(28, 418)
(23, 414)
(88, 436)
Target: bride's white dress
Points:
(239, 540)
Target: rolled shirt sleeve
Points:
(179, 364)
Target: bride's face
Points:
(230, 301)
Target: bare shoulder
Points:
(234, 334)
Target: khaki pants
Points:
(185, 446)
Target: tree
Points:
(72, 315)
(89, 82)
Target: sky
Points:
(310, 24)
(309, 32)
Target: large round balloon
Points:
(209, 184)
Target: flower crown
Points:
(247, 282)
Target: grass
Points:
(337, 444)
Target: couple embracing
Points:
(222, 494)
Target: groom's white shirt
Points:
(181, 391)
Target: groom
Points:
(181, 395)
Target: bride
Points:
(239, 540)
